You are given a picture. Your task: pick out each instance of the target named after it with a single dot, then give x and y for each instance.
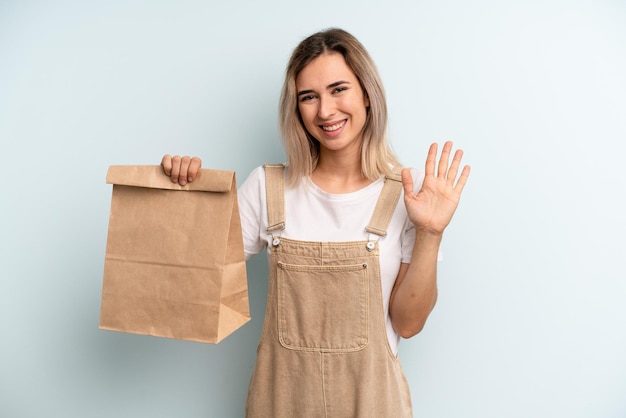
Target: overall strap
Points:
(274, 189)
(386, 203)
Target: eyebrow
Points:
(330, 86)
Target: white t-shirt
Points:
(312, 214)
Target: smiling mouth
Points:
(336, 126)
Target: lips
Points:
(333, 127)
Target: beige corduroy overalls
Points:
(324, 351)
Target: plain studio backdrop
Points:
(531, 317)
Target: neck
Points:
(339, 173)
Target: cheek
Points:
(307, 114)
(305, 119)
(359, 106)
(356, 103)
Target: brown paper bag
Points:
(174, 264)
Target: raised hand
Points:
(181, 169)
(432, 208)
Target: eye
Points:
(340, 89)
(307, 97)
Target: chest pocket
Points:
(323, 308)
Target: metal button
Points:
(276, 242)
(370, 246)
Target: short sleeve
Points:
(253, 211)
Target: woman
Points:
(351, 271)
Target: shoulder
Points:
(257, 173)
(254, 181)
(253, 188)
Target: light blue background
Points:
(531, 319)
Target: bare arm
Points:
(415, 291)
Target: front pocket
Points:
(323, 308)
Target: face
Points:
(332, 103)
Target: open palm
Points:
(433, 206)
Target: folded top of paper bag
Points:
(152, 176)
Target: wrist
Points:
(427, 243)
(428, 234)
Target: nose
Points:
(327, 107)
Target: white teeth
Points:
(334, 127)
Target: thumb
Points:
(407, 182)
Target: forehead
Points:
(324, 70)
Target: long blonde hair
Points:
(302, 148)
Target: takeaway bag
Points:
(174, 264)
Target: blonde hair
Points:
(302, 148)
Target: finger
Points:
(407, 182)
(431, 160)
(166, 163)
(194, 168)
(176, 160)
(443, 161)
(460, 184)
(184, 169)
(454, 167)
